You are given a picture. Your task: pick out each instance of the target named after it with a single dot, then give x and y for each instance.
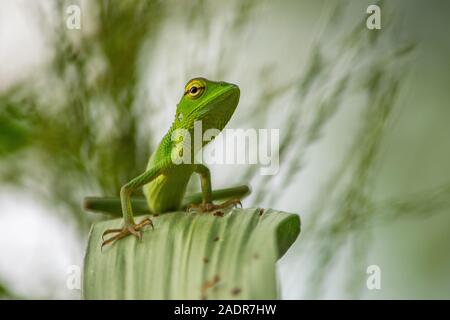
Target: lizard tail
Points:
(112, 206)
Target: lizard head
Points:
(211, 102)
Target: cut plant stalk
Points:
(192, 256)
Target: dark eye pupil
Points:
(193, 90)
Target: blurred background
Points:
(363, 118)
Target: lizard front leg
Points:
(130, 227)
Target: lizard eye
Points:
(195, 88)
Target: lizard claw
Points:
(211, 207)
(125, 231)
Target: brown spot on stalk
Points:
(208, 285)
(218, 213)
(236, 291)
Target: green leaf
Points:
(13, 136)
(192, 256)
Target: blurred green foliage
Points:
(50, 123)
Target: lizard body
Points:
(164, 182)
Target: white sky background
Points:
(36, 248)
(21, 43)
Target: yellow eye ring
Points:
(195, 88)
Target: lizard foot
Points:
(125, 231)
(211, 207)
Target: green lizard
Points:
(164, 182)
